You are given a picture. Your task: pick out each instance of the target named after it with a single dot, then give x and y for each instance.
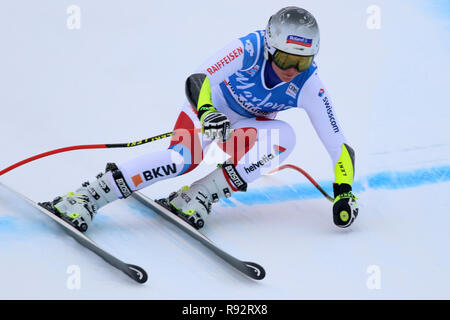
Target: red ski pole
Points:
(291, 166)
(88, 146)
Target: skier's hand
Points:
(345, 208)
(215, 125)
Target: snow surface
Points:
(120, 78)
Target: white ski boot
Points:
(79, 207)
(194, 203)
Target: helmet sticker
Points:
(302, 41)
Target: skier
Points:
(233, 99)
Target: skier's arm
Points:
(239, 55)
(315, 100)
(216, 69)
(224, 62)
(198, 92)
(198, 89)
(215, 125)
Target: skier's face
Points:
(285, 75)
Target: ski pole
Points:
(291, 166)
(88, 146)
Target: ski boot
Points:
(193, 203)
(79, 208)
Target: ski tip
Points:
(255, 271)
(137, 273)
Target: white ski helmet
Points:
(292, 30)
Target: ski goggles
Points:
(285, 60)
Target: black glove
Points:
(345, 208)
(215, 125)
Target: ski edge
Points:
(133, 271)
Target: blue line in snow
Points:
(7, 223)
(407, 179)
(388, 180)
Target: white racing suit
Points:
(237, 75)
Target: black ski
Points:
(134, 272)
(251, 269)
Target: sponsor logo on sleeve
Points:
(329, 109)
(321, 93)
(225, 60)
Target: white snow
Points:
(120, 78)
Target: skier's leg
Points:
(260, 146)
(184, 154)
(189, 141)
(119, 181)
(257, 146)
